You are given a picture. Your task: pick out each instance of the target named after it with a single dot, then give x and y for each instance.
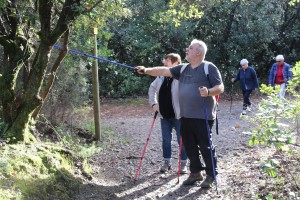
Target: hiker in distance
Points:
(248, 82)
(194, 85)
(163, 97)
(280, 74)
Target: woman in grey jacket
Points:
(163, 97)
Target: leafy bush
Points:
(276, 124)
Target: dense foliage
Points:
(256, 30)
(147, 30)
(276, 125)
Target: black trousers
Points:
(246, 100)
(195, 139)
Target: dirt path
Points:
(116, 166)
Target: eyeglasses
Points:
(279, 61)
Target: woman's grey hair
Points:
(201, 46)
(244, 61)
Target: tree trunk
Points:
(21, 97)
(19, 124)
(20, 129)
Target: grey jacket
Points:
(154, 90)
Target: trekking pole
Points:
(145, 147)
(210, 143)
(231, 97)
(98, 58)
(179, 158)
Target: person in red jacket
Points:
(280, 73)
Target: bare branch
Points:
(94, 6)
(67, 15)
(45, 7)
(54, 69)
(3, 29)
(277, 141)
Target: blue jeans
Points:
(167, 126)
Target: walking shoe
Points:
(193, 178)
(207, 182)
(183, 168)
(244, 112)
(249, 108)
(166, 166)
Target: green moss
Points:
(44, 170)
(35, 171)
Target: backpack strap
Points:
(216, 97)
(206, 69)
(183, 67)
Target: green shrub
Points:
(276, 124)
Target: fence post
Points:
(96, 97)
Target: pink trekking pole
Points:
(145, 147)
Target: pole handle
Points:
(155, 114)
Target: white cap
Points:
(244, 61)
(279, 58)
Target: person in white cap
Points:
(280, 74)
(248, 82)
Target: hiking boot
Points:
(193, 178)
(166, 166)
(207, 182)
(183, 168)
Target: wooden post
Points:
(96, 97)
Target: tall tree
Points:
(28, 31)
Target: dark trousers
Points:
(246, 100)
(195, 138)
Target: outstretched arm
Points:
(155, 71)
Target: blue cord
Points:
(210, 142)
(98, 58)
